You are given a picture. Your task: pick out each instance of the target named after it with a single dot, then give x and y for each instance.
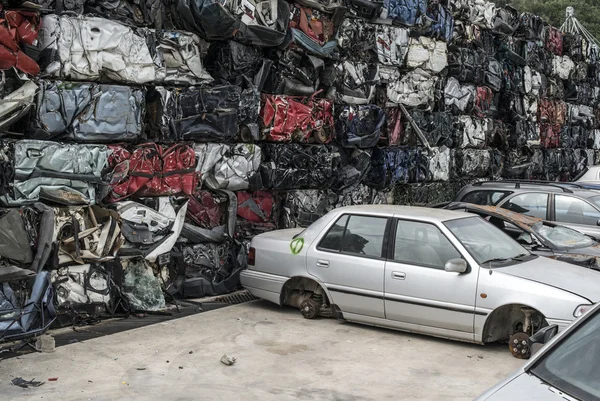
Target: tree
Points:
(553, 11)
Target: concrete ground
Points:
(280, 356)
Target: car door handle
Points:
(398, 275)
(322, 263)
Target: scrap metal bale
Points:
(257, 212)
(79, 285)
(151, 226)
(426, 194)
(205, 269)
(295, 166)
(264, 24)
(18, 29)
(299, 119)
(428, 54)
(301, 208)
(200, 114)
(87, 112)
(416, 88)
(92, 49)
(177, 57)
(406, 12)
(230, 167)
(472, 162)
(67, 174)
(88, 234)
(315, 29)
(360, 126)
(152, 170)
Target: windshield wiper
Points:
(495, 260)
(519, 256)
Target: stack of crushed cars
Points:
(144, 143)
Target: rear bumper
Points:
(263, 285)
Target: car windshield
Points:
(572, 364)
(595, 200)
(562, 237)
(485, 242)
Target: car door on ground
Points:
(417, 288)
(349, 260)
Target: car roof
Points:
(558, 187)
(415, 212)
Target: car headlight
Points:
(581, 309)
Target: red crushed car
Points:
(296, 118)
(18, 27)
(152, 170)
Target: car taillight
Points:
(251, 256)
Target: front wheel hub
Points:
(519, 345)
(309, 308)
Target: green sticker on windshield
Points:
(296, 245)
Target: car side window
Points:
(422, 244)
(364, 235)
(332, 241)
(575, 211)
(532, 204)
(487, 198)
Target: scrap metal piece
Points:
(17, 104)
(20, 382)
(227, 360)
(140, 286)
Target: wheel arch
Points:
(501, 323)
(304, 283)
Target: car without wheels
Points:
(438, 272)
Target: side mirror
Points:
(542, 337)
(598, 223)
(457, 265)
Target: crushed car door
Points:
(348, 260)
(419, 293)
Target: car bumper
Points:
(562, 324)
(263, 285)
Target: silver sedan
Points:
(438, 272)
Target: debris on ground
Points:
(226, 360)
(19, 381)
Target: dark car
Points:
(567, 204)
(541, 237)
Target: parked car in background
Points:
(538, 236)
(567, 204)
(566, 368)
(589, 175)
(433, 271)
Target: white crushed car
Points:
(438, 272)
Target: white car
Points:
(438, 272)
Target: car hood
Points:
(568, 277)
(524, 387)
